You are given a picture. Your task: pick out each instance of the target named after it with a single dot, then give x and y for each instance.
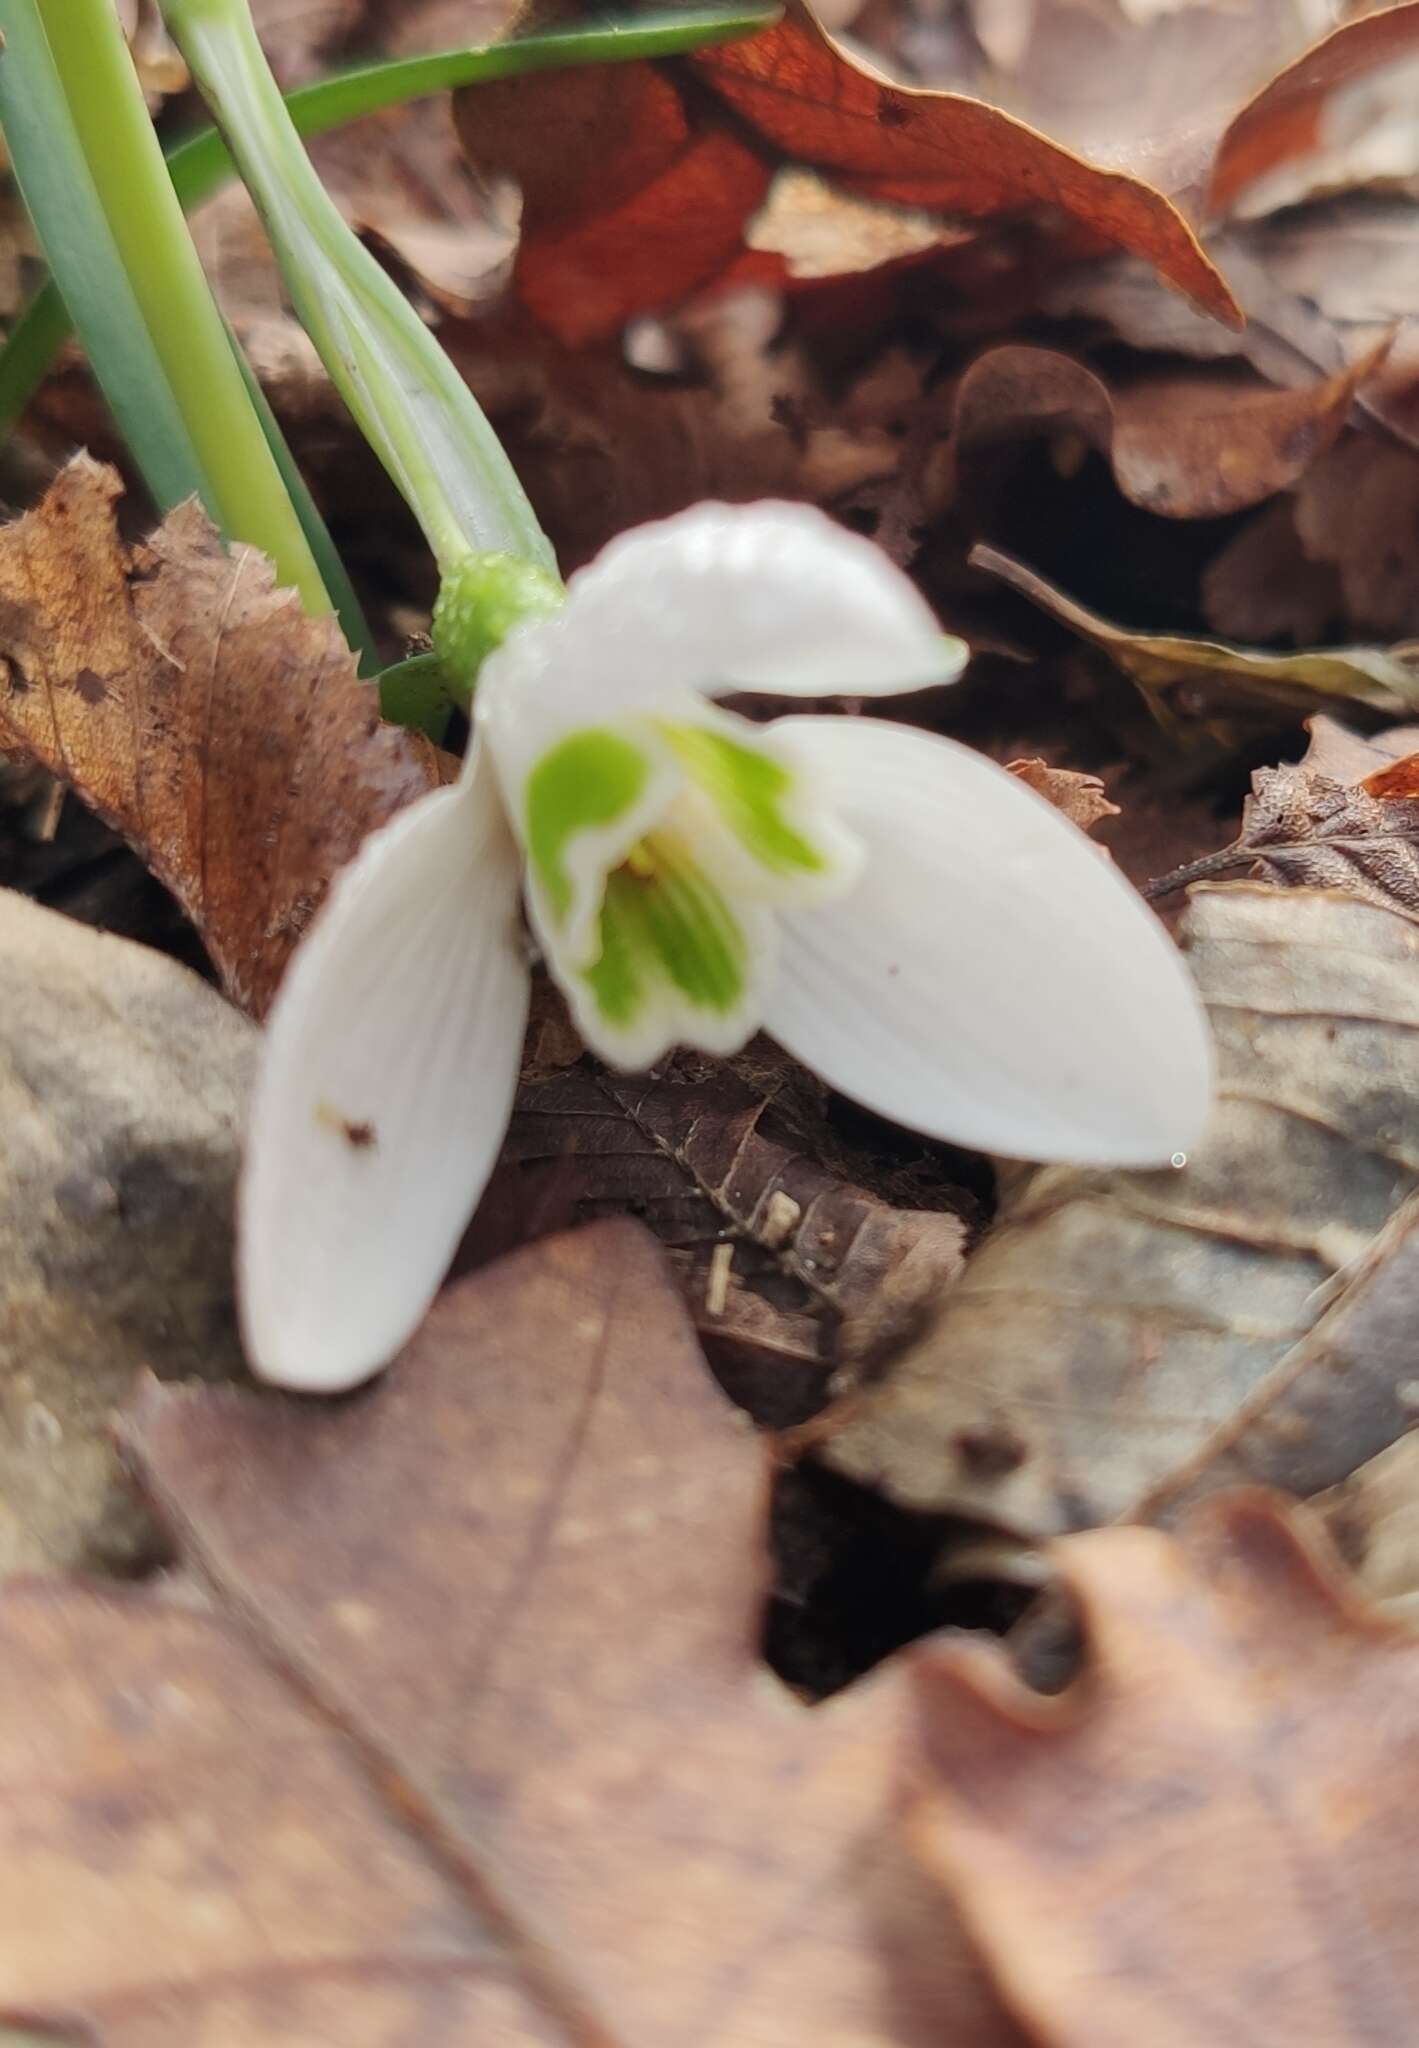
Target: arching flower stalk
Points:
(927, 934)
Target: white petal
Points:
(991, 979)
(773, 597)
(386, 1079)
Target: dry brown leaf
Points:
(1263, 587)
(537, 1700)
(1301, 829)
(122, 1082)
(1301, 111)
(1146, 87)
(1187, 444)
(789, 1269)
(1350, 1380)
(602, 447)
(1212, 673)
(199, 711)
(646, 196)
(1358, 512)
(1112, 1327)
(1208, 1839)
(1080, 797)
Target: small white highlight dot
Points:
(1179, 1159)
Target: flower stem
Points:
(410, 403)
(240, 481)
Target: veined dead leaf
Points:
(1161, 662)
(1111, 1330)
(513, 1770)
(1208, 1838)
(199, 711)
(1305, 830)
(646, 197)
(1186, 444)
(791, 1272)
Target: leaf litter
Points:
(908, 344)
(362, 1788)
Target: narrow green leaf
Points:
(332, 570)
(54, 180)
(92, 175)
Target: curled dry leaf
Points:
(1305, 830)
(1183, 443)
(1112, 1328)
(1211, 1837)
(789, 1269)
(199, 711)
(505, 1768)
(1297, 116)
(1164, 662)
(658, 167)
(122, 1084)
(1080, 797)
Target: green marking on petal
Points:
(587, 781)
(750, 789)
(664, 920)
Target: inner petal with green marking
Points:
(655, 850)
(677, 962)
(789, 848)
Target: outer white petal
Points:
(386, 1080)
(990, 979)
(772, 596)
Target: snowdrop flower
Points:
(923, 931)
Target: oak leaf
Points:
(658, 167)
(477, 1725)
(199, 711)
(1208, 1838)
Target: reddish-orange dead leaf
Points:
(1284, 120)
(522, 1575)
(646, 196)
(1210, 1837)
(199, 711)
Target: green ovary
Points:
(750, 790)
(664, 921)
